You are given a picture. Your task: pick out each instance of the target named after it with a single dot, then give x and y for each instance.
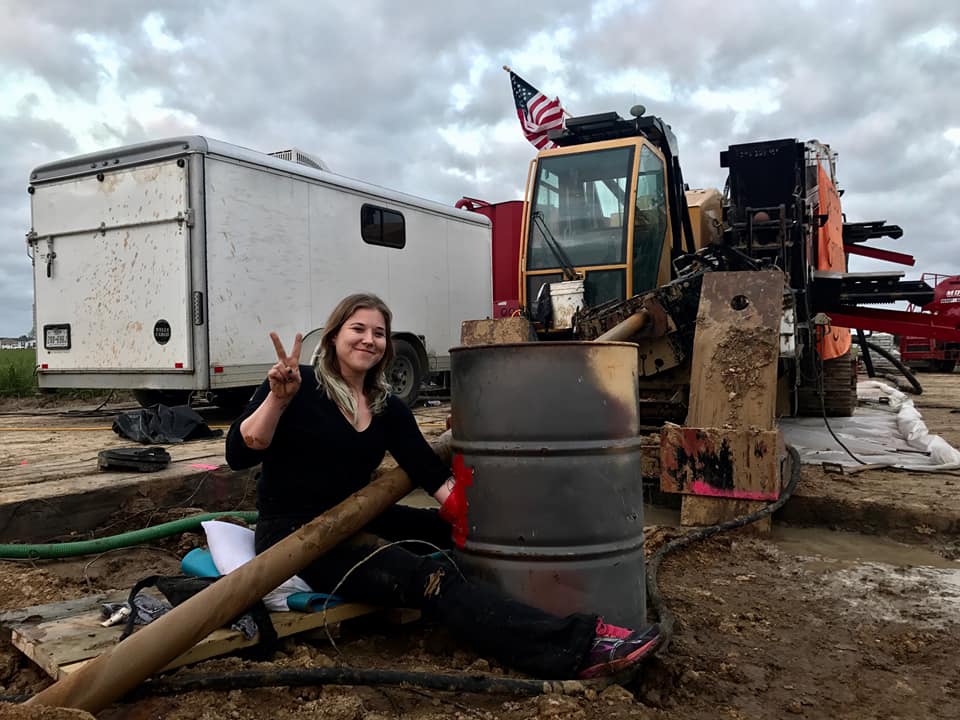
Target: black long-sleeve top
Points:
(317, 458)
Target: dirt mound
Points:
(34, 712)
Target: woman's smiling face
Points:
(361, 342)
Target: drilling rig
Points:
(614, 245)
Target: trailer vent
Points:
(301, 157)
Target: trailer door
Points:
(111, 271)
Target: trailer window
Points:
(380, 226)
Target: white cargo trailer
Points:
(162, 267)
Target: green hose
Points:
(91, 547)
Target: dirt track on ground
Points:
(832, 625)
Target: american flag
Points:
(538, 114)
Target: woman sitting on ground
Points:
(320, 433)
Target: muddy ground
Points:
(809, 623)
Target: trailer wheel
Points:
(170, 398)
(947, 366)
(405, 373)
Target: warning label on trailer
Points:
(161, 332)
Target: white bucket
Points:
(565, 299)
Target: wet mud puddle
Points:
(874, 577)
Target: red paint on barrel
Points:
(463, 478)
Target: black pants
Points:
(517, 635)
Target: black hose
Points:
(896, 362)
(867, 360)
(301, 677)
(823, 409)
(14, 698)
(665, 617)
(460, 683)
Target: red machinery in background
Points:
(507, 219)
(929, 353)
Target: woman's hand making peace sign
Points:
(284, 377)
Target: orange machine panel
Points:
(830, 256)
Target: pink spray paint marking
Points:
(204, 466)
(463, 478)
(699, 487)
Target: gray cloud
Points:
(24, 138)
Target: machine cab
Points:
(603, 208)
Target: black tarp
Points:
(162, 424)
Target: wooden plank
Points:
(37, 513)
(733, 377)
(705, 511)
(65, 640)
(497, 331)
(650, 457)
(66, 635)
(24, 484)
(62, 646)
(36, 614)
(67, 457)
(25, 481)
(223, 641)
(735, 350)
(738, 463)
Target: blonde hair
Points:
(327, 366)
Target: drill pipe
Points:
(109, 676)
(626, 328)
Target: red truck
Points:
(923, 353)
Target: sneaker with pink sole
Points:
(615, 648)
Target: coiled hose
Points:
(52, 551)
(897, 363)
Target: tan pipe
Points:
(111, 675)
(626, 328)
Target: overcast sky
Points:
(411, 95)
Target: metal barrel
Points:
(548, 434)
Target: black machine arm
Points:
(862, 231)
